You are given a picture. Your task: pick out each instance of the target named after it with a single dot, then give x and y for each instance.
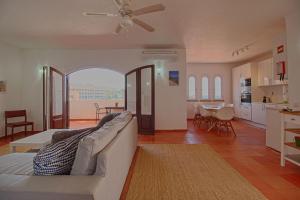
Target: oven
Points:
(246, 97)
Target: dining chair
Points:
(98, 111)
(197, 115)
(224, 116)
(205, 116)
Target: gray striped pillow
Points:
(58, 158)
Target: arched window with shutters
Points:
(204, 88)
(192, 87)
(218, 87)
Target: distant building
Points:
(94, 93)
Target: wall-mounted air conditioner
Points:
(159, 52)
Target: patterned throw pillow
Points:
(58, 158)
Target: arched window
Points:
(218, 87)
(192, 87)
(204, 87)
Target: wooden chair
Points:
(12, 125)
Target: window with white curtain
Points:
(192, 87)
(204, 87)
(218, 87)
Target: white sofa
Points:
(118, 157)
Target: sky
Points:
(101, 78)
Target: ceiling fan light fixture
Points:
(126, 22)
(128, 16)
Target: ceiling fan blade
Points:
(118, 29)
(143, 25)
(99, 14)
(149, 9)
(118, 3)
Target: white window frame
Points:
(208, 93)
(214, 83)
(188, 89)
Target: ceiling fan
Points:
(128, 15)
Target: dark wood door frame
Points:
(45, 71)
(138, 98)
(63, 116)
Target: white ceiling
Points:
(209, 29)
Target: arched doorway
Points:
(73, 97)
(94, 92)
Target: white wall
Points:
(170, 100)
(11, 73)
(293, 51)
(212, 70)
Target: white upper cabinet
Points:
(265, 72)
(236, 89)
(246, 70)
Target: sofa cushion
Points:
(58, 158)
(17, 163)
(90, 146)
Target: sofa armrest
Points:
(48, 187)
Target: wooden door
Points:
(140, 97)
(146, 98)
(55, 104)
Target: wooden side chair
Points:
(14, 124)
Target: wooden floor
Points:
(247, 153)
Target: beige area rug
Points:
(175, 171)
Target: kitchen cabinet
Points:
(245, 111)
(259, 113)
(273, 127)
(265, 72)
(236, 90)
(246, 70)
(242, 110)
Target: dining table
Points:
(213, 109)
(109, 109)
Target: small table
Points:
(36, 141)
(110, 108)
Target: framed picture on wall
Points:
(173, 78)
(2, 86)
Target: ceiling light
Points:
(242, 49)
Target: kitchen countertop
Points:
(276, 106)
